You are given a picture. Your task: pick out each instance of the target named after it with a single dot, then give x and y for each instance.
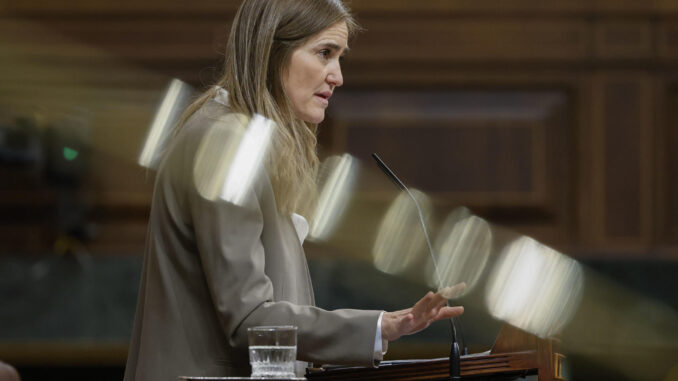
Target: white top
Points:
(301, 226)
(222, 96)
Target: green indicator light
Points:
(70, 154)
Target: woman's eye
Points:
(325, 53)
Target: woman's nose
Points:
(334, 77)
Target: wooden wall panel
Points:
(667, 32)
(568, 7)
(622, 162)
(668, 221)
(582, 172)
(576, 7)
(491, 150)
(624, 40)
(154, 39)
(460, 160)
(120, 7)
(622, 159)
(446, 39)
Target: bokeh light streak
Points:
(463, 248)
(248, 160)
(534, 287)
(215, 154)
(400, 238)
(340, 177)
(171, 107)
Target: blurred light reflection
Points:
(249, 160)
(462, 248)
(173, 103)
(337, 181)
(231, 156)
(622, 328)
(534, 287)
(400, 238)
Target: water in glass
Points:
(273, 361)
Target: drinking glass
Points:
(273, 351)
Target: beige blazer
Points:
(212, 269)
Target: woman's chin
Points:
(315, 118)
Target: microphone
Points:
(455, 355)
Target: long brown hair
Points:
(263, 37)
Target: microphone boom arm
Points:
(455, 355)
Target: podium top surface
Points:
(189, 378)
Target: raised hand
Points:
(428, 309)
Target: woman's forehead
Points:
(336, 34)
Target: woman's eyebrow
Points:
(334, 46)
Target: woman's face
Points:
(314, 72)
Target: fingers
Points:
(447, 293)
(452, 291)
(428, 309)
(439, 299)
(432, 306)
(408, 323)
(449, 312)
(423, 305)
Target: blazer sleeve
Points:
(229, 243)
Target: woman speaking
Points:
(214, 268)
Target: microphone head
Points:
(388, 172)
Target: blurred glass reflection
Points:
(336, 183)
(400, 238)
(173, 103)
(462, 248)
(534, 287)
(231, 156)
(623, 329)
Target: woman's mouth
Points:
(323, 97)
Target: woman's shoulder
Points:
(211, 125)
(211, 144)
(213, 116)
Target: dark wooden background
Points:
(557, 119)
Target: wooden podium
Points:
(515, 353)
